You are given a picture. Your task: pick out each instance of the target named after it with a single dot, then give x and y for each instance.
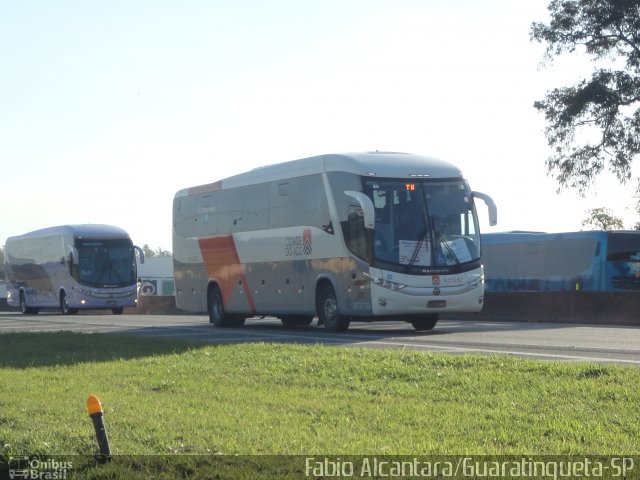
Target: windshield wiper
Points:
(416, 250)
(446, 245)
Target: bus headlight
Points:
(476, 282)
(385, 283)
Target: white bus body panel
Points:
(276, 271)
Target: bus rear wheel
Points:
(328, 312)
(217, 314)
(296, 320)
(425, 322)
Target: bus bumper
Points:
(87, 299)
(427, 300)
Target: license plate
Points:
(436, 303)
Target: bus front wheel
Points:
(328, 312)
(64, 305)
(217, 314)
(26, 310)
(425, 322)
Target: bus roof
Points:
(373, 164)
(80, 231)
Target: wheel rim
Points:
(330, 309)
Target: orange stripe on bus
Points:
(209, 187)
(223, 264)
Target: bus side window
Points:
(255, 207)
(284, 205)
(185, 216)
(314, 210)
(207, 214)
(230, 218)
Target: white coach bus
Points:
(72, 267)
(345, 237)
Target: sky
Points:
(107, 109)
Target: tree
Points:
(637, 225)
(604, 108)
(158, 252)
(602, 219)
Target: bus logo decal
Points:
(435, 279)
(298, 245)
(306, 240)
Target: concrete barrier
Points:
(602, 308)
(622, 308)
(149, 305)
(146, 306)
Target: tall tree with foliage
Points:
(602, 219)
(604, 109)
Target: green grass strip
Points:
(166, 397)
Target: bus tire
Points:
(64, 305)
(117, 310)
(296, 320)
(26, 310)
(328, 313)
(217, 314)
(424, 323)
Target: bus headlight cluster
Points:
(385, 283)
(85, 292)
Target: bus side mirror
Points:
(493, 210)
(73, 254)
(366, 204)
(140, 253)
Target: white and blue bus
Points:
(72, 267)
(344, 236)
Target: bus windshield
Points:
(423, 223)
(105, 263)
(623, 246)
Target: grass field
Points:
(165, 398)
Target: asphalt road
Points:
(551, 341)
